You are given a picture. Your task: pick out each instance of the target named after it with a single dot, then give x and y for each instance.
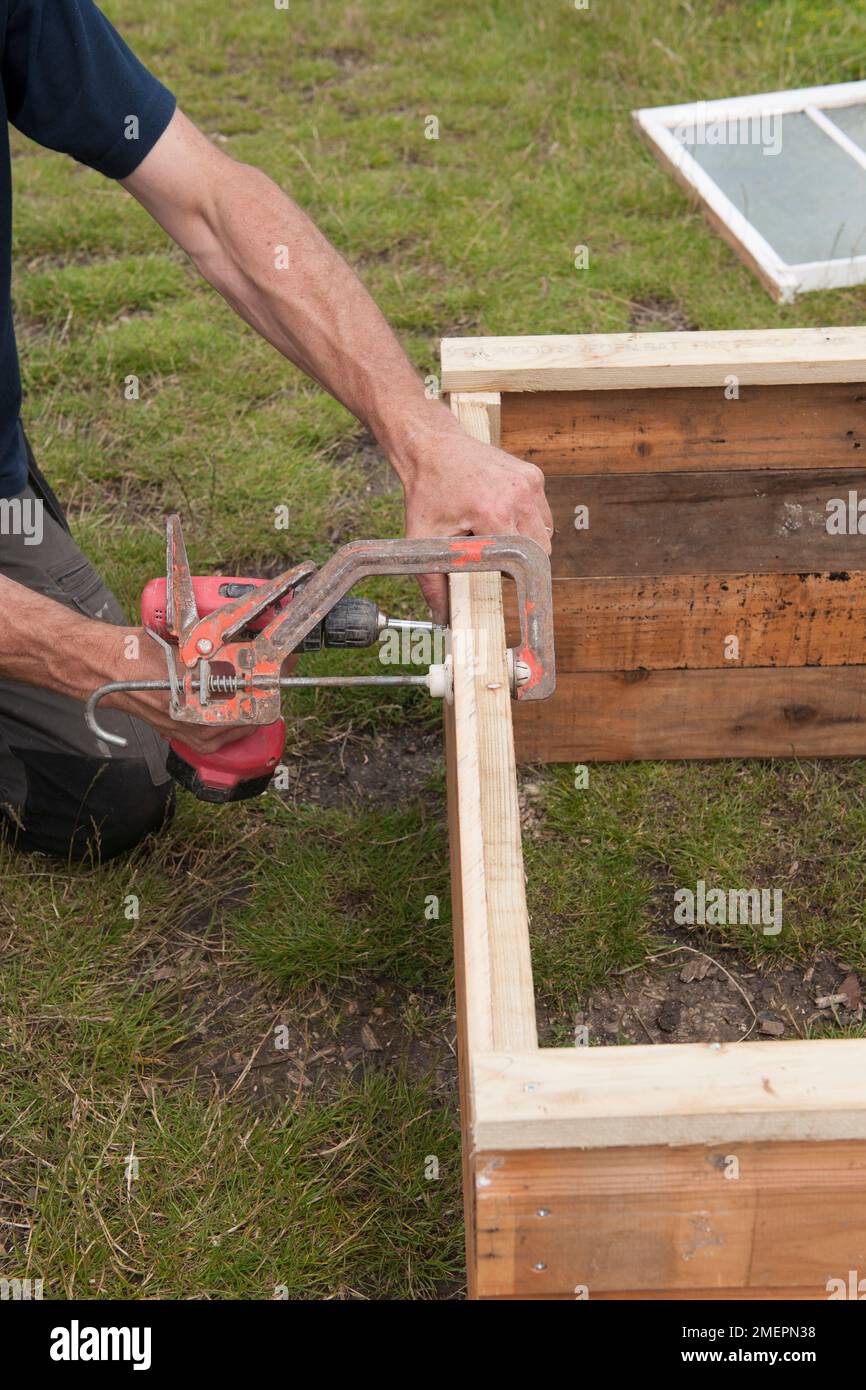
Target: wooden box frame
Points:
(679, 1171)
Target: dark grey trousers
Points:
(61, 790)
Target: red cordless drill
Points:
(244, 767)
(225, 641)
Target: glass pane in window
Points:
(801, 191)
(851, 119)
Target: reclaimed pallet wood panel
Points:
(611, 716)
(673, 622)
(707, 523)
(704, 1219)
(678, 429)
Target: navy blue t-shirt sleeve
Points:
(71, 83)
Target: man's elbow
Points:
(187, 184)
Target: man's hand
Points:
(463, 487)
(152, 705)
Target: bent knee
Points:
(79, 808)
(130, 809)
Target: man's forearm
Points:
(44, 643)
(279, 272)
(272, 264)
(315, 311)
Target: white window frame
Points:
(783, 280)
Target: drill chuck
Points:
(353, 622)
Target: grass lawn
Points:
(249, 1087)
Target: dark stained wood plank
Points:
(686, 428)
(672, 622)
(705, 523)
(804, 712)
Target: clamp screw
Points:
(518, 671)
(204, 645)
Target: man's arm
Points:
(231, 219)
(45, 643)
